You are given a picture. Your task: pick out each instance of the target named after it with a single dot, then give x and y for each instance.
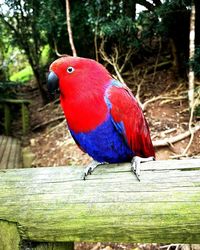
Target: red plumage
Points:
(97, 106)
(125, 109)
(82, 92)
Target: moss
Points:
(9, 236)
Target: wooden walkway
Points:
(10, 153)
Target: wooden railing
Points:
(7, 105)
(56, 205)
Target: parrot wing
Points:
(129, 120)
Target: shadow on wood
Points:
(55, 205)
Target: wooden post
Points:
(56, 205)
(7, 119)
(25, 118)
(9, 236)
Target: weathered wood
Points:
(2, 146)
(10, 153)
(7, 104)
(25, 118)
(55, 205)
(9, 236)
(6, 154)
(15, 101)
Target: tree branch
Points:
(69, 29)
(174, 139)
(146, 4)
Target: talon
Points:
(137, 175)
(136, 171)
(135, 164)
(90, 168)
(87, 171)
(84, 176)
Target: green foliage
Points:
(21, 18)
(197, 111)
(51, 21)
(109, 19)
(8, 89)
(44, 59)
(38, 28)
(23, 75)
(82, 32)
(170, 13)
(148, 24)
(5, 52)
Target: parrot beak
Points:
(52, 82)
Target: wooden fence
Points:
(56, 205)
(7, 105)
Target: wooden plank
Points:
(6, 154)
(15, 101)
(1, 139)
(13, 153)
(10, 153)
(2, 150)
(2, 142)
(55, 205)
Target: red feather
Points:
(125, 109)
(82, 93)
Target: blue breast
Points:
(105, 143)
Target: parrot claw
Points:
(90, 168)
(136, 163)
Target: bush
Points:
(23, 75)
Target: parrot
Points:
(103, 116)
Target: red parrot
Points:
(102, 114)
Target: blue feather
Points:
(105, 143)
(119, 125)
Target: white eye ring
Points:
(70, 70)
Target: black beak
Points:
(52, 82)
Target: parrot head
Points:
(75, 75)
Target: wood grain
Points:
(10, 153)
(56, 205)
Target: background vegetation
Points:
(32, 32)
(133, 38)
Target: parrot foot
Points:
(136, 162)
(90, 168)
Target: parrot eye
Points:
(70, 70)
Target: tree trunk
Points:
(39, 81)
(191, 56)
